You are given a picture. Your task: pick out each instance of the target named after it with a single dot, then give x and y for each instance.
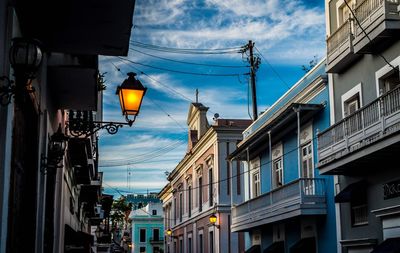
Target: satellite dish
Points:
(216, 116)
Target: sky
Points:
(287, 35)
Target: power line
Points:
(180, 71)
(187, 50)
(190, 63)
(273, 69)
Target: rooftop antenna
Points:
(197, 96)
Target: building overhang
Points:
(98, 27)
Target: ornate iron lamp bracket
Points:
(82, 128)
(7, 90)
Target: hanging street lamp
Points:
(131, 93)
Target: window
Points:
(189, 250)
(156, 249)
(238, 177)
(180, 245)
(343, 11)
(359, 210)
(255, 177)
(278, 172)
(200, 243)
(389, 82)
(142, 249)
(142, 235)
(175, 210)
(156, 234)
(190, 201)
(211, 240)
(210, 187)
(256, 184)
(352, 105)
(307, 169)
(200, 194)
(180, 206)
(154, 212)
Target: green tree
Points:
(311, 64)
(120, 210)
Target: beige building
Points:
(199, 187)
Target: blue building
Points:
(147, 229)
(287, 205)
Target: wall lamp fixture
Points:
(25, 58)
(130, 93)
(55, 151)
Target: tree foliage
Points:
(120, 210)
(311, 64)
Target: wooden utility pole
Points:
(253, 69)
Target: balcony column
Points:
(248, 173)
(297, 110)
(271, 164)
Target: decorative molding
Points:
(199, 170)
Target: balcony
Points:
(305, 196)
(156, 240)
(340, 51)
(381, 21)
(363, 134)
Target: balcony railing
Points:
(341, 35)
(300, 197)
(156, 240)
(344, 43)
(365, 126)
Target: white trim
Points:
(352, 92)
(331, 99)
(385, 70)
(327, 18)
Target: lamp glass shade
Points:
(130, 100)
(213, 219)
(131, 93)
(25, 54)
(169, 232)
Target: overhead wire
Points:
(273, 69)
(180, 71)
(189, 63)
(211, 51)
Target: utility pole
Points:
(253, 80)
(254, 64)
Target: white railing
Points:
(305, 190)
(366, 123)
(341, 35)
(366, 10)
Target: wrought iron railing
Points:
(368, 121)
(303, 189)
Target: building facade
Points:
(50, 192)
(363, 58)
(199, 187)
(288, 206)
(148, 229)
(141, 200)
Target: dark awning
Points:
(276, 247)
(391, 245)
(254, 249)
(77, 241)
(276, 124)
(304, 245)
(352, 191)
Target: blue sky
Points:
(288, 34)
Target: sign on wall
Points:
(391, 189)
